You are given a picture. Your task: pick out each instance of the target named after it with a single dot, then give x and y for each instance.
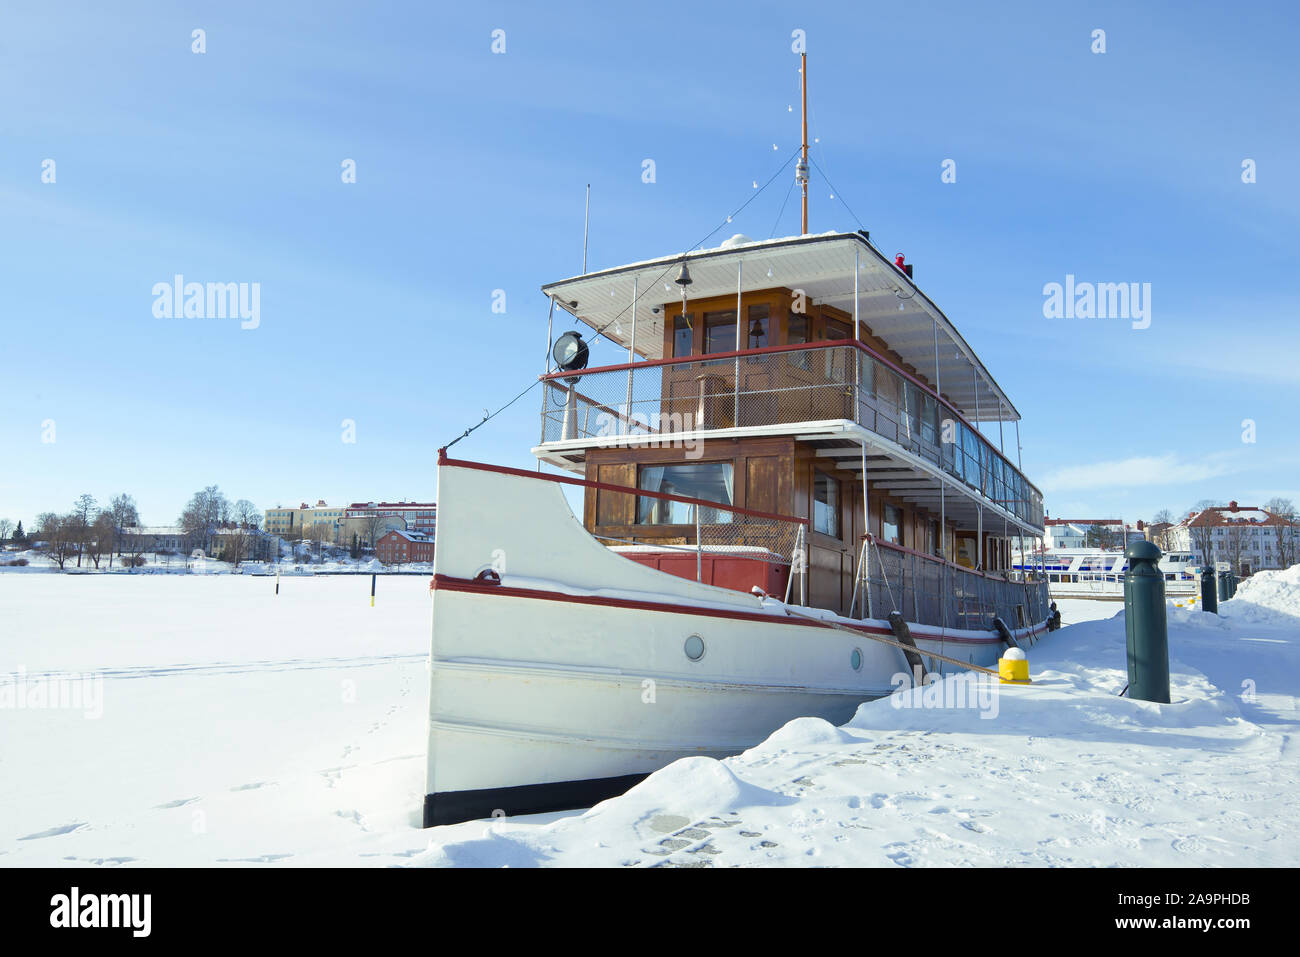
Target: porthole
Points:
(855, 659)
(694, 647)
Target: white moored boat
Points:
(793, 496)
(1098, 573)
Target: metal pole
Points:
(943, 505)
(631, 357)
(857, 355)
(803, 74)
(586, 220)
(866, 577)
(550, 313)
(735, 415)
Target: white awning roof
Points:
(822, 266)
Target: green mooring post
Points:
(1233, 581)
(1209, 593)
(1145, 625)
(1223, 586)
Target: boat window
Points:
(838, 330)
(796, 333)
(711, 481)
(826, 505)
(760, 326)
(929, 418)
(796, 328)
(683, 335)
(720, 331)
(892, 529)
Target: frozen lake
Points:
(218, 723)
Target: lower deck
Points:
(878, 537)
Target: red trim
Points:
(828, 344)
(607, 487)
(449, 583)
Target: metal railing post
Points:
(699, 548)
(803, 572)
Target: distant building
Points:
(419, 517)
(294, 523)
(153, 538)
(1064, 536)
(1247, 538)
(398, 547)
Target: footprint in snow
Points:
(179, 802)
(56, 831)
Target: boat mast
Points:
(801, 172)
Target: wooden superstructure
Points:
(840, 395)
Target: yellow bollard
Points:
(1013, 668)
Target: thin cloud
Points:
(1166, 469)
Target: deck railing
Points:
(659, 400)
(931, 591)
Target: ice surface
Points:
(239, 727)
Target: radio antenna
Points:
(801, 171)
(586, 219)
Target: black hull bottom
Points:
(453, 807)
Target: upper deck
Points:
(835, 346)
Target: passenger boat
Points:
(1098, 573)
(791, 494)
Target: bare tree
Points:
(133, 546)
(6, 529)
(124, 512)
(1234, 543)
(125, 515)
(1284, 514)
(1203, 540)
(1164, 536)
(235, 544)
(100, 540)
(206, 510)
(246, 514)
(80, 518)
(53, 531)
(373, 524)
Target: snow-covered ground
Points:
(217, 722)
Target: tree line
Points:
(89, 533)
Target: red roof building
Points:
(398, 547)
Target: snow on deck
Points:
(238, 727)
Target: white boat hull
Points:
(568, 680)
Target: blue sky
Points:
(471, 166)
